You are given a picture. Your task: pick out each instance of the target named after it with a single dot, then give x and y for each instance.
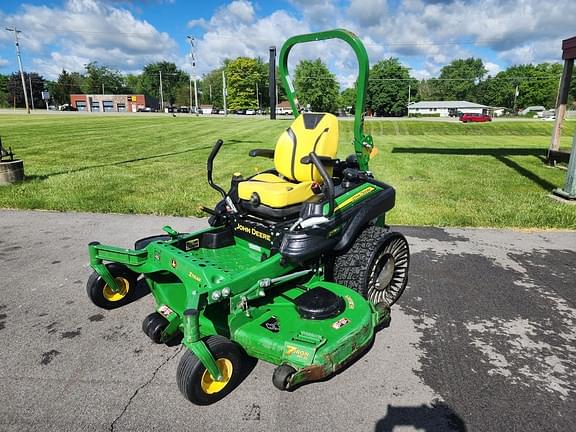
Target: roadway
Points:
(483, 339)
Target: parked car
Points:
(215, 111)
(250, 112)
(471, 117)
(67, 107)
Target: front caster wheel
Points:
(282, 375)
(196, 383)
(103, 296)
(153, 326)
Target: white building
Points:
(446, 108)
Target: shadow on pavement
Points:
(436, 418)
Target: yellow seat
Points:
(310, 132)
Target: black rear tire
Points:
(376, 266)
(102, 295)
(196, 383)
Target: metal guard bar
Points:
(362, 150)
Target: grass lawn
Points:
(446, 174)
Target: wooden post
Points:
(568, 54)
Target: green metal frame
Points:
(363, 144)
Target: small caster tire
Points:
(103, 296)
(196, 383)
(282, 375)
(153, 326)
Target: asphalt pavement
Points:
(484, 339)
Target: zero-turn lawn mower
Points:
(297, 267)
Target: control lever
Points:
(209, 165)
(328, 187)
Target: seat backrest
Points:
(310, 132)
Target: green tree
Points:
(4, 102)
(132, 83)
(15, 93)
(388, 88)
(172, 77)
(537, 85)
(65, 85)
(211, 84)
(458, 80)
(426, 91)
(182, 94)
(347, 99)
(102, 79)
(316, 86)
(242, 76)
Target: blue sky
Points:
(423, 34)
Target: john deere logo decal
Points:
(173, 263)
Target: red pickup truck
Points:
(470, 117)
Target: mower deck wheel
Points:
(153, 326)
(281, 376)
(196, 383)
(104, 296)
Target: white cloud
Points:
(3, 62)
(89, 30)
(368, 12)
(492, 68)
(241, 10)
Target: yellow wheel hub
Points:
(124, 287)
(210, 385)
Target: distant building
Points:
(113, 103)
(534, 109)
(446, 108)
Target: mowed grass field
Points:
(446, 174)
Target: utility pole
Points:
(196, 97)
(161, 93)
(16, 32)
(190, 88)
(257, 96)
(224, 92)
(31, 94)
(102, 88)
(193, 63)
(409, 91)
(210, 85)
(273, 89)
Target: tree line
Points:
(389, 87)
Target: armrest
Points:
(267, 153)
(324, 159)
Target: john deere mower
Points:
(297, 267)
